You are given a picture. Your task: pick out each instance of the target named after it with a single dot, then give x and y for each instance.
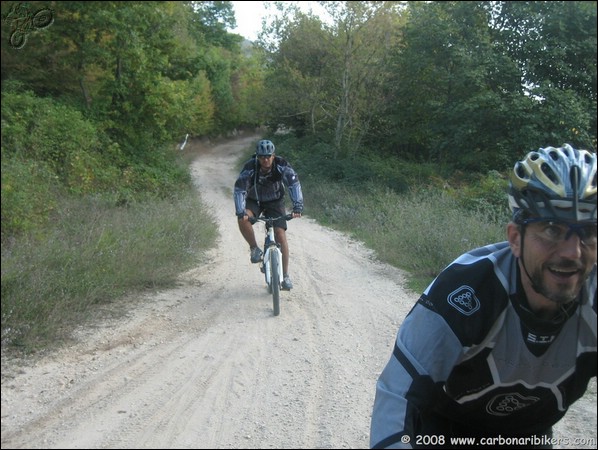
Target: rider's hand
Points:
(296, 214)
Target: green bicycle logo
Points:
(23, 21)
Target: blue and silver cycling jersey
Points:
(266, 188)
(502, 371)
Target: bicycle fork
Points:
(270, 248)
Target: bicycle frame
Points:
(271, 265)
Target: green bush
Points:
(44, 130)
(315, 159)
(485, 195)
(28, 195)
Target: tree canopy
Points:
(475, 84)
(97, 92)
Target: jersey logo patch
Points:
(464, 300)
(506, 404)
(539, 339)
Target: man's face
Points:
(557, 256)
(266, 161)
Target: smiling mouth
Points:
(562, 272)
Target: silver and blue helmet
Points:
(264, 148)
(555, 184)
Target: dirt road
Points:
(207, 365)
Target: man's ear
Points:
(514, 237)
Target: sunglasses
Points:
(265, 156)
(557, 231)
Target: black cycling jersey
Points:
(267, 188)
(502, 372)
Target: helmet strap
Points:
(534, 287)
(575, 184)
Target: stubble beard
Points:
(558, 294)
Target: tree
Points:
(554, 44)
(331, 77)
(468, 90)
(295, 92)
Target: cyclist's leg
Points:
(277, 209)
(245, 226)
(281, 238)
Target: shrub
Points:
(28, 195)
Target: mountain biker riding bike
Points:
(260, 188)
(503, 341)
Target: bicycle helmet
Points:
(554, 183)
(264, 148)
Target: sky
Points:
(249, 16)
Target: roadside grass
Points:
(419, 231)
(94, 254)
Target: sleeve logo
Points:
(464, 300)
(506, 404)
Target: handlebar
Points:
(269, 220)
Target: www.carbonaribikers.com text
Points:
(427, 440)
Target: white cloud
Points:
(249, 16)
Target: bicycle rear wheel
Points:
(275, 281)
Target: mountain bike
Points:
(271, 264)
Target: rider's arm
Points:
(291, 180)
(424, 353)
(453, 324)
(241, 187)
(296, 197)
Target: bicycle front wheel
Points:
(275, 280)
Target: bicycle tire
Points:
(43, 18)
(17, 39)
(269, 286)
(275, 281)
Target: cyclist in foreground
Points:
(261, 187)
(503, 341)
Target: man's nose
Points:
(571, 246)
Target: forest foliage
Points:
(95, 95)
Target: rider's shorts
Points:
(274, 208)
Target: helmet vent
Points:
(547, 170)
(587, 158)
(555, 156)
(520, 170)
